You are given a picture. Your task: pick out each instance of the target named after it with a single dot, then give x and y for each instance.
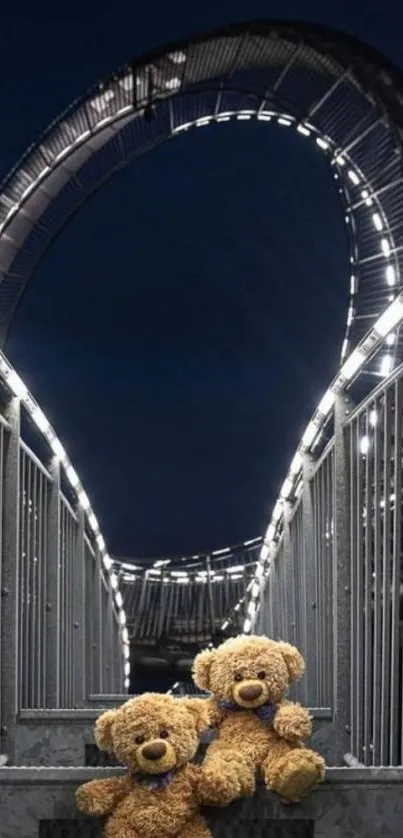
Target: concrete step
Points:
(353, 802)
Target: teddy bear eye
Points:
(261, 675)
(237, 676)
(139, 739)
(164, 734)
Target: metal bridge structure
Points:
(77, 623)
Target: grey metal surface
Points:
(352, 803)
(58, 737)
(341, 703)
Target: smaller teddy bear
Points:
(155, 736)
(249, 677)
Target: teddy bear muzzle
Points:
(156, 757)
(250, 693)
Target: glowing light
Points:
(93, 522)
(17, 385)
(247, 625)
(364, 445)
(286, 488)
(101, 543)
(40, 420)
(326, 403)
(322, 143)
(127, 668)
(119, 599)
(376, 218)
(83, 500)
(390, 318)
(353, 177)
(72, 476)
(353, 364)
(309, 435)
(107, 562)
(302, 130)
(386, 365)
(177, 57)
(58, 449)
(385, 247)
(390, 275)
(296, 463)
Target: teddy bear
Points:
(156, 736)
(248, 677)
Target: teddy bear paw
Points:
(89, 803)
(295, 775)
(293, 723)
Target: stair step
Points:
(361, 802)
(301, 828)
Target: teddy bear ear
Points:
(199, 708)
(103, 730)
(201, 668)
(293, 660)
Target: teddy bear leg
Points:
(226, 777)
(292, 772)
(117, 827)
(197, 828)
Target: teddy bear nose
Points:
(154, 751)
(249, 693)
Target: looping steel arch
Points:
(330, 88)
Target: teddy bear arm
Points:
(293, 722)
(99, 797)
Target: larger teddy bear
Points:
(155, 736)
(249, 677)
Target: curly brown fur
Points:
(250, 672)
(153, 735)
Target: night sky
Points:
(182, 328)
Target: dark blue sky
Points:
(182, 328)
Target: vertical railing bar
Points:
(11, 604)
(359, 715)
(396, 711)
(22, 591)
(386, 586)
(377, 569)
(354, 505)
(309, 585)
(368, 602)
(39, 639)
(341, 624)
(322, 558)
(54, 625)
(33, 636)
(80, 640)
(98, 623)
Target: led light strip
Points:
(19, 389)
(389, 320)
(357, 180)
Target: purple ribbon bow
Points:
(266, 712)
(155, 781)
